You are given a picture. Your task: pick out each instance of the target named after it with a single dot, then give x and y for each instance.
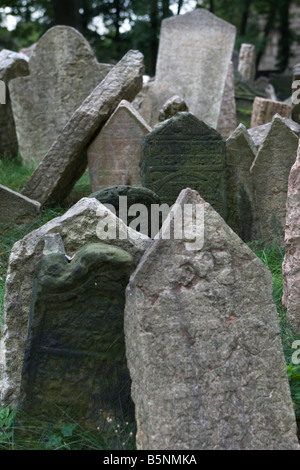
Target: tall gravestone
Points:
(79, 226)
(270, 172)
(12, 65)
(203, 344)
(63, 71)
(194, 54)
(74, 363)
(240, 154)
(227, 117)
(290, 266)
(114, 155)
(184, 152)
(247, 66)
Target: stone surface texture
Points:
(66, 160)
(290, 266)
(114, 155)
(12, 65)
(16, 209)
(240, 154)
(125, 198)
(195, 50)
(270, 172)
(74, 363)
(172, 106)
(63, 72)
(184, 152)
(77, 227)
(203, 346)
(227, 117)
(264, 110)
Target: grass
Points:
(111, 434)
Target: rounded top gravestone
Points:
(63, 72)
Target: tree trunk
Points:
(285, 35)
(245, 16)
(66, 12)
(267, 30)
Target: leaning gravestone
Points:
(74, 363)
(203, 344)
(264, 110)
(290, 266)
(194, 54)
(270, 172)
(184, 152)
(240, 154)
(66, 160)
(12, 65)
(82, 224)
(16, 209)
(114, 155)
(63, 72)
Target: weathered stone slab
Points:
(16, 209)
(63, 72)
(290, 266)
(194, 50)
(126, 201)
(82, 224)
(227, 117)
(203, 345)
(240, 154)
(259, 133)
(114, 155)
(172, 106)
(74, 364)
(247, 66)
(12, 65)
(270, 172)
(66, 160)
(264, 110)
(184, 152)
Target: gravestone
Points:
(227, 117)
(115, 153)
(66, 160)
(63, 72)
(244, 96)
(259, 133)
(194, 54)
(264, 110)
(74, 363)
(172, 106)
(203, 345)
(290, 266)
(126, 201)
(240, 154)
(82, 224)
(247, 66)
(16, 209)
(12, 65)
(184, 152)
(270, 172)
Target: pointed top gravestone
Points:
(194, 54)
(115, 153)
(63, 72)
(184, 152)
(270, 172)
(203, 343)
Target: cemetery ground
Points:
(110, 435)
